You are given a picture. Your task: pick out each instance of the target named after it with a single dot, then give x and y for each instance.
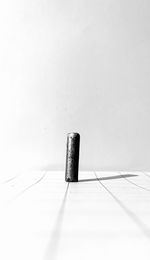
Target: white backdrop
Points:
(81, 66)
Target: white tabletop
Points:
(106, 215)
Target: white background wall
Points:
(81, 66)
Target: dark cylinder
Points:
(72, 157)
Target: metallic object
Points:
(72, 157)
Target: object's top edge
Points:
(73, 134)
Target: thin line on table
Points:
(52, 248)
(145, 230)
(26, 189)
(30, 186)
(133, 183)
(147, 175)
(11, 179)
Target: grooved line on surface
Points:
(27, 188)
(52, 248)
(133, 183)
(144, 229)
(10, 179)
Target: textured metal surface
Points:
(72, 157)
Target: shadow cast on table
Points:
(109, 177)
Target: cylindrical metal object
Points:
(72, 157)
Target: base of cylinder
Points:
(68, 179)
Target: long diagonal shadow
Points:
(110, 177)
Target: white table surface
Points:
(106, 215)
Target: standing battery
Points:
(72, 157)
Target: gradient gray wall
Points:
(81, 66)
